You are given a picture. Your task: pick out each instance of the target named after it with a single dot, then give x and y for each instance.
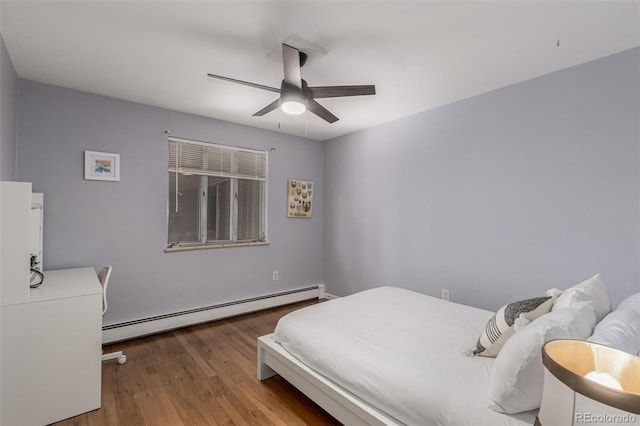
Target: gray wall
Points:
(496, 197)
(93, 223)
(8, 106)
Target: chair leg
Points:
(122, 358)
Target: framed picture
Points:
(101, 166)
(299, 198)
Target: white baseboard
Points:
(143, 327)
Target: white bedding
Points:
(402, 352)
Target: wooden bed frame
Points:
(341, 404)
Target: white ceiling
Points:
(419, 54)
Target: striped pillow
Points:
(507, 320)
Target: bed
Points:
(391, 356)
(375, 358)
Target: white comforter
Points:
(402, 352)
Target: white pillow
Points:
(590, 290)
(621, 328)
(516, 380)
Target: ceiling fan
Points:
(295, 95)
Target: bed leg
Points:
(264, 371)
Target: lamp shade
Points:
(588, 383)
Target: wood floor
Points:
(200, 375)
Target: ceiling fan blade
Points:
(321, 111)
(291, 61)
(273, 105)
(339, 91)
(246, 83)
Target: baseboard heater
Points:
(143, 327)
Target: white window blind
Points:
(190, 157)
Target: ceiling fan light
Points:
(292, 100)
(293, 107)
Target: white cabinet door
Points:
(50, 359)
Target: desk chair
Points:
(103, 277)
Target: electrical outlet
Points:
(276, 276)
(445, 294)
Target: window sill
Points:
(215, 246)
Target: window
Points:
(217, 194)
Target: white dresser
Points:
(50, 348)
